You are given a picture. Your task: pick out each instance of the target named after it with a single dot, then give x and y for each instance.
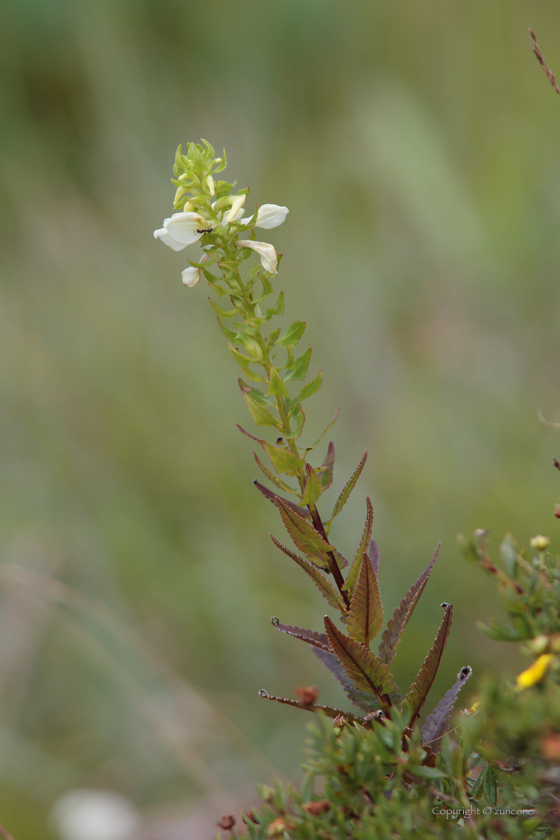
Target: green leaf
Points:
(261, 415)
(363, 667)
(324, 586)
(243, 361)
(223, 163)
(299, 368)
(477, 786)
(420, 687)
(283, 460)
(325, 471)
(490, 786)
(271, 340)
(311, 387)
(277, 309)
(349, 486)
(502, 633)
(292, 334)
(276, 386)
(274, 478)
(304, 536)
(299, 416)
(362, 548)
(365, 618)
(324, 432)
(223, 313)
(402, 613)
(313, 489)
(231, 335)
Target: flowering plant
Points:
(381, 770)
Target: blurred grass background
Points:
(417, 146)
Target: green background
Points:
(417, 145)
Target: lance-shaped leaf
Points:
(278, 309)
(419, 689)
(276, 386)
(364, 701)
(231, 335)
(363, 547)
(325, 430)
(311, 387)
(318, 640)
(259, 413)
(298, 368)
(436, 724)
(325, 471)
(400, 617)
(326, 710)
(374, 556)
(365, 618)
(364, 668)
(283, 460)
(348, 487)
(274, 478)
(304, 535)
(293, 334)
(269, 494)
(324, 586)
(313, 489)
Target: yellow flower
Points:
(535, 673)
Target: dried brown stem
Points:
(542, 62)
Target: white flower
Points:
(191, 276)
(181, 229)
(95, 815)
(235, 211)
(269, 258)
(268, 216)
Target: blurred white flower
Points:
(268, 216)
(269, 258)
(181, 229)
(95, 815)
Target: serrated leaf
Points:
(242, 361)
(325, 430)
(313, 488)
(276, 387)
(298, 369)
(402, 613)
(274, 478)
(318, 640)
(249, 435)
(231, 335)
(299, 416)
(326, 470)
(326, 589)
(374, 556)
(277, 309)
(366, 702)
(362, 666)
(311, 387)
(272, 338)
(349, 486)
(350, 582)
(326, 710)
(261, 415)
(304, 535)
(273, 497)
(283, 460)
(490, 787)
(292, 334)
(365, 618)
(436, 723)
(419, 689)
(222, 313)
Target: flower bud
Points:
(210, 183)
(539, 644)
(236, 206)
(540, 543)
(252, 347)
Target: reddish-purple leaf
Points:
(326, 589)
(348, 487)
(365, 618)
(249, 435)
(366, 702)
(324, 432)
(318, 640)
(325, 471)
(374, 555)
(363, 547)
(400, 617)
(327, 710)
(364, 668)
(419, 689)
(272, 496)
(436, 724)
(304, 535)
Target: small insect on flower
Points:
(204, 230)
